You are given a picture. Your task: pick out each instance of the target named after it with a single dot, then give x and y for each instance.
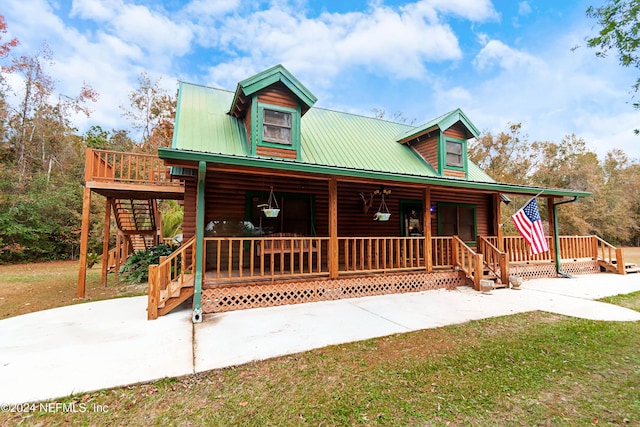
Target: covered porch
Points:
(328, 242)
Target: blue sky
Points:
(500, 61)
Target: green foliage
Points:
(136, 269)
(42, 223)
(172, 217)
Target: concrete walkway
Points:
(86, 347)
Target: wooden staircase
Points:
(171, 282)
(138, 220)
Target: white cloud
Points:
(94, 9)
(524, 8)
(496, 53)
(209, 8)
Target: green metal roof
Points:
(443, 123)
(331, 143)
(270, 76)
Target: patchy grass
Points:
(527, 369)
(25, 288)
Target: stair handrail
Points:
(468, 261)
(601, 248)
(174, 268)
(494, 259)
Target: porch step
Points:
(174, 290)
(184, 294)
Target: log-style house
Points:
(286, 203)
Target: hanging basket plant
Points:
(271, 209)
(383, 212)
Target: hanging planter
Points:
(383, 211)
(271, 209)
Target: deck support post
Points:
(199, 244)
(84, 242)
(333, 229)
(556, 238)
(105, 241)
(426, 215)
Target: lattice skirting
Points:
(219, 299)
(540, 271)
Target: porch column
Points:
(333, 228)
(497, 220)
(84, 241)
(426, 215)
(105, 241)
(199, 244)
(552, 229)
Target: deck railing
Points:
(170, 275)
(133, 168)
(519, 250)
(236, 259)
(610, 257)
(467, 261)
(494, 259)
(376, 254)
(442, 252)
(240, 258)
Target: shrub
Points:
(136, 269)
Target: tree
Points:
(152, 111)
(620, 31)
(506, 157)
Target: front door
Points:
(412, 219)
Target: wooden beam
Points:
(333, 229)
(105, 241)
(84, 242)
(497, 220)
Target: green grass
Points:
(527, 369)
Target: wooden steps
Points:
(630, 267)
(175, 301)
(136, 219)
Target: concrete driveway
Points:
(92, 346)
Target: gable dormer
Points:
(442, 142)
(270, 104)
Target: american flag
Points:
(529, 225)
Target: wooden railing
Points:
(240, 258)
(134, 168)
(467, 261)
(376, 254)
(494, 259)
(442, 252)
(608, 255)
(519, 250)
(575, 247)
(170, 275)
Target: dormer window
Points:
(454, 154)
(276, 126)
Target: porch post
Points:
(554, 232)
(497, 218)
(199, 246)
(426, 207)
(105, 241)
(333, 228)
(84, 241)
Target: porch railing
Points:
(467, 261)
(239, 258)
(494, 259)
(133, 168)
(519, 250)
(167, 278)
(375, 254)
(608, 255)
(442, 252)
